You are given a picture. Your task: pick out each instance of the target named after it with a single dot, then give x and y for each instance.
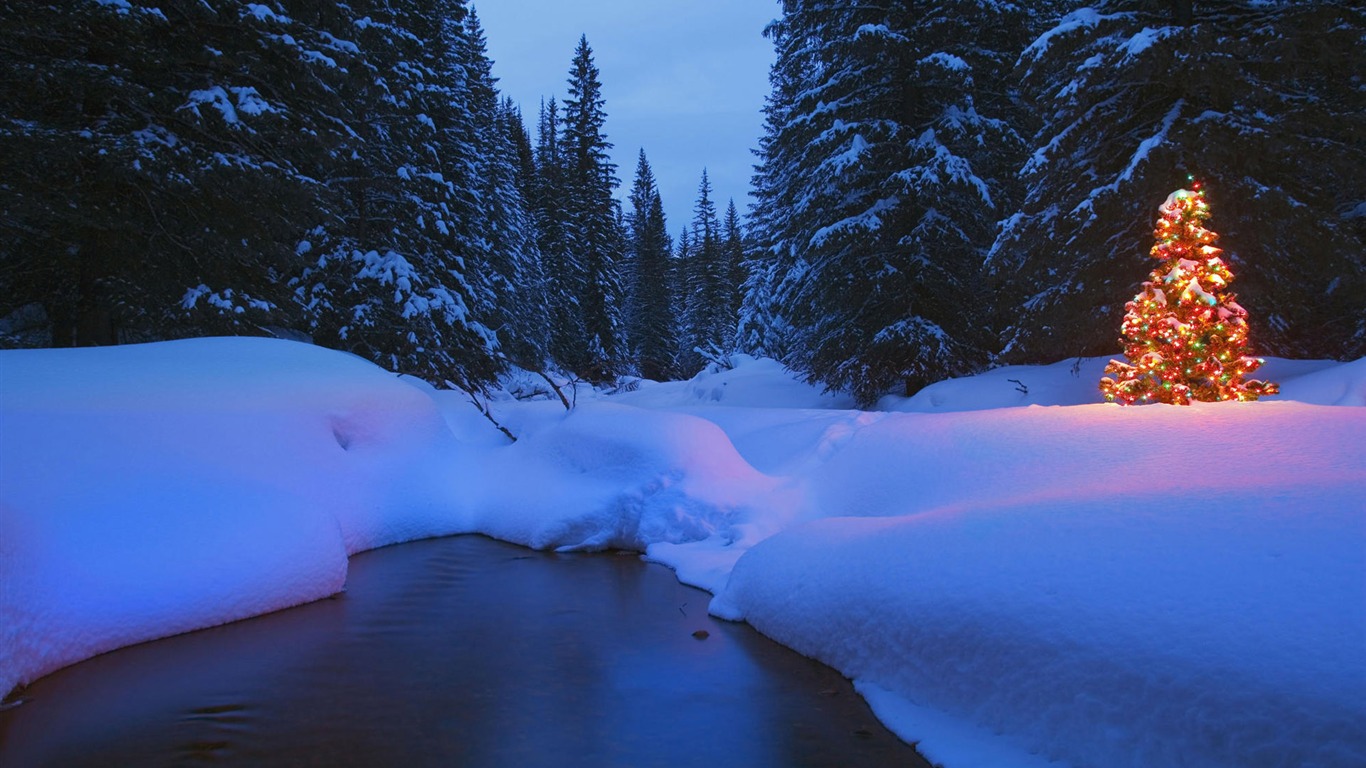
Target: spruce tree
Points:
(762, 328)
(251, 168)
(681, 277)
(525, 151)
(526, 313)
(706, 304)
(1245, 95)
(878, 189)
(155, 172)
(391, 282)
(506, 265)
(555, 240)
(591, 217)
(652, 318)
(733, 262)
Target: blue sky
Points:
(685, 79)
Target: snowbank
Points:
(750, 383)
(1073, 382)
(1010, 571)
(608, 476)
(1090, 584)
(1206, 628)
(152, 489)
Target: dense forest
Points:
(940, 186)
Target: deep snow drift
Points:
(1084, 583)
(152, 489)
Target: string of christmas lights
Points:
(1184, 334)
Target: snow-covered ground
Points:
(1013, 573)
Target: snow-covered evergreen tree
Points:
(525, 151)
(706, 303)
(527, 312)
(555, 238)
(391, 281)
(153, 177)
(1250, 97)
(652, 317)
(596, 243)
(763, 328)
(733, 259)
(507, 267)
(680, 270)
(877, 191)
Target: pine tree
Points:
(680, 274)
(596, 241)
(878, 189)
(706, 304)
(733, 259)
(1130, 97)
(1184, 334)
(652, 317)
(506, 262)
(555, 239)
(155, 172)
(392, 281)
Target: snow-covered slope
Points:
(152, 489)
(1067, 580)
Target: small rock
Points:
(701, 634)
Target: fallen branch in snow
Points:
(715, 357)
(553, 386)
(1019, 386)
(484, 409)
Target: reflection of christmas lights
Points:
(1184, 334)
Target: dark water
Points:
(459, 652)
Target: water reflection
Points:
(459, 652)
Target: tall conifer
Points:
(876, 198)
(1240, 94)
(652, 318)
(733, 260)
(591, 215)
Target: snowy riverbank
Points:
(1007, 584)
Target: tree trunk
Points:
(63, 321)
(94, 318)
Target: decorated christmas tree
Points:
(1184, 334)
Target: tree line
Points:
(345, 172)
(945, 186)
(940, 186)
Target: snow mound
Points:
(1069, 580)
(1094, 584)
(1322, 382)
(1225, 629)
(750, 383)
(152, 489)
(611, 476)
(1076, 382)
(1070, 382)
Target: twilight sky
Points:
(685, 79)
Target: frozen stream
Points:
(460, 651)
